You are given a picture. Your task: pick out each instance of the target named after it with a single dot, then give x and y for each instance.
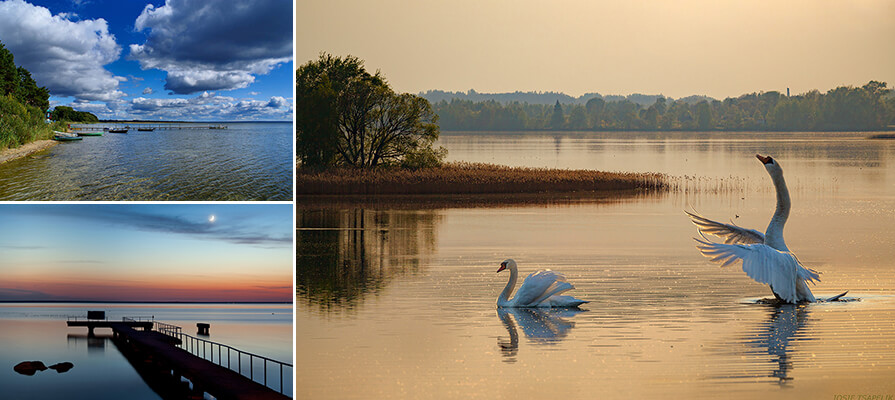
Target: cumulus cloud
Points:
(214, 44)
(277, 102)
(147, 90)
(64, 55)
(209, 106)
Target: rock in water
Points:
(29, 367)
(62, 367)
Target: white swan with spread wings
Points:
(765, 257)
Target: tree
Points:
(65, 113)
(8, 73)
(578, 118)
(17, 82)
(557, 120)
(319, 87)
(29, 93)
(704, 118)
(347, 116)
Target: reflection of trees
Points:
(540, 325)
(344, 254)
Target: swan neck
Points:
(774, 234)
(508, 290)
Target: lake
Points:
(396, 298)
(38, 332)
(247, 161)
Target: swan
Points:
(765, 257)
(540, 289)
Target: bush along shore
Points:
(468, 178)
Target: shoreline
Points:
(470, 179)
(25, 150)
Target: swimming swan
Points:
(540, 289)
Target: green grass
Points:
(20, 124)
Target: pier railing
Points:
(232, 358)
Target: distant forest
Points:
(846, 108)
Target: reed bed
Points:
(469, 178)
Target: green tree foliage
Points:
(64, 113)
(347, 116)
(17, 81)
(865, 108)
(29, 93)
(557, 120)
(8, 73)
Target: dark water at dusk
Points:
(401, 296)
(247, 161)
(38, 332)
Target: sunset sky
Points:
(158, 59)
(146, 252)
(672, 47)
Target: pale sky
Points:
(676, 48)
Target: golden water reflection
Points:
(345, 254)
(540, 325)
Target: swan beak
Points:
(502, 267)
(764, 160)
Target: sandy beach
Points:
(25, 150)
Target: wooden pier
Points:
(162, 364)
(92, 324)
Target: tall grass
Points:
(20, 124)
(469, 178)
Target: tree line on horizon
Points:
(845, 108)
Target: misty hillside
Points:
(549, 98)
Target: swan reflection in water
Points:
(540, 325)
(784, 322)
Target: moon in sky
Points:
(211, 218)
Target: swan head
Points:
(508, 263)
(769, 164)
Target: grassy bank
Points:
(20, 124)
(468, 178)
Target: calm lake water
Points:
(247, 161)
(396, 299)
(34, 331)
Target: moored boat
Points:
(117, 130)
(65, 136)
(145, 129)
(89, 133)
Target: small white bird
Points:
(765, 257)
(540, 289)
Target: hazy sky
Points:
(146, 252)
(676, 48)
(158, 59)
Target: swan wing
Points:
(731, 233)
(562, 301)
(761, 262)
(538, 286)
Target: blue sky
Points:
(146, 252)
(170, 59)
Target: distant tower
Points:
(787, 92)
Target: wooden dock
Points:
(92, 324)
(162, 364)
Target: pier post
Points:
(203, 328)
